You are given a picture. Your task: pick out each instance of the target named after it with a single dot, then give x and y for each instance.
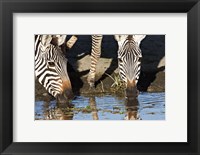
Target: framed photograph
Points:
(100, 77)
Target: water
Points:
(149, 106)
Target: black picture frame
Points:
(8, 7)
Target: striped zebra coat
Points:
(129, 60)
(51, 66)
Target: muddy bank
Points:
(111, 83)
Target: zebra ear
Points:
(58, 40)
(120, 37)
(139, 38)
(46, 39)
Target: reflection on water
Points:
(131, 106)
(50, 111)
(148, 106)
(93, 106)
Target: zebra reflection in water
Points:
(52, 111)
(132, 106)
(92, 103)
(131, 109)
(56, 112)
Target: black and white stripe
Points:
(129, 60)
(95, 54)
(50, 65)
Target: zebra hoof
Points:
(91, 85)
(92, 88)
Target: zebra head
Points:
(129, 61)
(51, 67)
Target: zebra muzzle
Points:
(67, 93)
(65, 97)
(131, 89)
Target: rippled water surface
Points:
(149, 106)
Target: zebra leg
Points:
(71, 41)
(95, 54)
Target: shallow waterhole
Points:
(149, 106)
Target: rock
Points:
(158, 85)
(161, 63)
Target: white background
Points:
(173, 129)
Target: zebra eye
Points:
(120, 60)
(51, 64)
(47, 49)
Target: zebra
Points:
(129, 60)
(51, 66)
